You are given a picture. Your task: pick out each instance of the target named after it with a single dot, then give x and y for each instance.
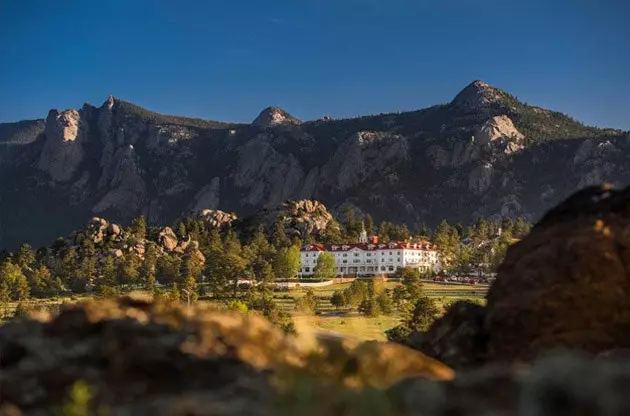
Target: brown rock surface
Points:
(140, 357)
(457, 339)
(567, 283)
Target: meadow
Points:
(329, 319)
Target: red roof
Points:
(394, 245)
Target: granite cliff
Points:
(484, 153)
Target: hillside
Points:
(483, 154)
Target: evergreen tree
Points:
(168, 269)
(175, 295)
(191, 265)
(106, 284)
(25, 257)
(332, 235)
(129, 270)
(21, 289)
(41, 283)
(181, 230)
(279, 236)
(369, 224)
(147, 271)
(67, 265)
(139, 228)
(5, 298)
(190, 289)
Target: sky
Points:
(228, 59)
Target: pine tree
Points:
(25, 257)
(5, 298)
(190, 289)
(139, 228)
(147, 271)
(181, 230)
(129, 270)
(21, 287)
(369, 224)
(106, 284)
(175, 295)
(279, 236)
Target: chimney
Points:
(374, 239)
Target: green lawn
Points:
(348, 323)
(352, 324)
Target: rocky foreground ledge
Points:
(143, 358)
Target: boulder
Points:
(566, 284)
(457, 339)
(167, 239)
(114, 229)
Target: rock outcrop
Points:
(217, 218)
(364, 154)
(63, 151)
(477, 95)
(565, 285)
(274, 116)
(499, 127)
(576, 255)
(303, 218)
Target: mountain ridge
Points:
(484, 149)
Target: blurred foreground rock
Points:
(140, 357)
(566, 285)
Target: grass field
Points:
(353, 324)
(348, 323)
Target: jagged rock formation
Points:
(63, 151)
(274, 116)
(485, 149)
(477, 95)
(565, 285)
(217, 218)
(303, 218)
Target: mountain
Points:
(483, 154)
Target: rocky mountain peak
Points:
(109, 102)
(476, 95)
(273, 116)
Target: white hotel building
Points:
(371, 258)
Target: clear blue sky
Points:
(228, 59)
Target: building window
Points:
(343, 270)
(356, 254)
(345, 261)
(383, 268)
(391, 268)
(390, 253)
(345, 255)
(307, 269)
